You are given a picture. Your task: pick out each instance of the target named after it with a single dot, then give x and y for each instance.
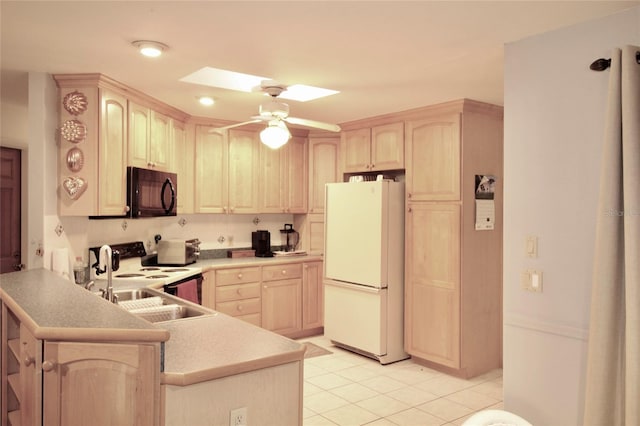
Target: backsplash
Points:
(217, 233)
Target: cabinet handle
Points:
(239, 292)
(240, 307)
(408, 195)
(28, 360)
(373, 166)
(127, 209)
(409, 210)
(284, 272)
(240, 276)
(48, 365)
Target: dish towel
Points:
(60, 262)
(188, 291)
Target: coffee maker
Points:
(261, 243)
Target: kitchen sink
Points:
(155, 306)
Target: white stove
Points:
(132, 274)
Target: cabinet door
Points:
(112, 178)
(30, 375)
(323, 169)
(272, 183)
(244, 163)
(160, 142)
(356, 150)
(183, 165)
(432, 282)
(100, 384)
(139, 135)
(211, 184)
(312, 292)
(387, 147)
(295, 172)
(209, 290)
(433, 158)
(281, 305)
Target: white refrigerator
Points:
(364, 268)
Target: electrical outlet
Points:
(238, 417)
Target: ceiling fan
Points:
(276, 113)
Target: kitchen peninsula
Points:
(70, 357)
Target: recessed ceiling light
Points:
(150, 48)
(206, 100)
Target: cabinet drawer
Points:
(237, 292)
(251, 319)
(239, 307)
(279, 272)
(237, 276)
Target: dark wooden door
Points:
(10, 170)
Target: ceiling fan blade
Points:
(231, 126)
(313, 123)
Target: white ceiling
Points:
(382, 56)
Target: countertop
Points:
(54, 308)
(239, 262)
(216, 346)
(196, 349)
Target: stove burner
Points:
(150, 269)
(175, 270)
(152, 277)
(129, 275)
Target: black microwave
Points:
(151, 193)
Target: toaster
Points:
(178, 252)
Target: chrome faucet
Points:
(108, 261)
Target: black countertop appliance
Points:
(261, 243)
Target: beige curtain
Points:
(613, 366)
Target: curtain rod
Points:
(602, 63)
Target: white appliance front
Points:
(356, 233)
(358, 316)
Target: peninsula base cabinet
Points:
(73, 384)
(267, 394)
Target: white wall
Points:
(554, 121)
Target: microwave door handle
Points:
(166, 183)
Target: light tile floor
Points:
(347, 389)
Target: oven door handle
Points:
(168, 183)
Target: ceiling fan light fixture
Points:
(275, 134)
(149, 48)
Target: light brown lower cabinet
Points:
(73, 383)
(100, 384)
(286, 298)
(312, 296)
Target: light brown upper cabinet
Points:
(93, 147)
(373, 149)
(433, 158)
(226, 178)
(182, 147)
(149, 138)
(323, 169)
(283, 177)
